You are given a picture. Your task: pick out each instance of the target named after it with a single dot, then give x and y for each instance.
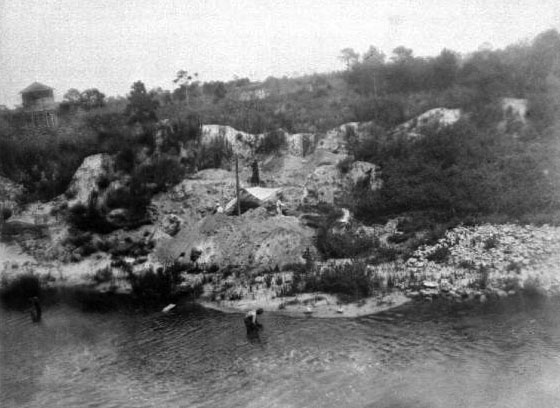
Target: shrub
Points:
(511, 283)
(235, 296)
(532, 287)
(345, 165)
(466, 264)
(440, 255)
(342, 245)
(195, 254)
(350, 279)
(484, 275)
(103, 182)
(5, 213)
(161, 174)
(384, 254)
(399, 238)
(153, 285)
(514, 267)
(78, 238)
(18, 291)
(70, 194)
(103, 275)
(294, 267)
(218, 153)
(272, 142)
(491, 242)
(124, 161)
(89, 218)
(268, 280)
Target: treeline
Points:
(517, 71)
(44, 160)
(487, 164)
(373, 88)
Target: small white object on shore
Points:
(169, 307)
(308, 311)
(339, 310)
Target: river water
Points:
(496, 355)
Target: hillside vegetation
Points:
(492, 162)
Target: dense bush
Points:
(89, 218)
(218, 153)
(18, 291)
(347, 244)
(440, 255)
(103, 275)
(462, 170)
(272, 142)
(5, 213)
(156, 285)
(352, 280)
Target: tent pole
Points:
(237, 184)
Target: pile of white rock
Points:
(475, 262)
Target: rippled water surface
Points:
(505, 355)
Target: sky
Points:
(109, 44)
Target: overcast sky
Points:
(110, 44)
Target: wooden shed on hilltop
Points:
(39, 105)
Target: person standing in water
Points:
(36, 311)
(251, 322)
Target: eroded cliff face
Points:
(85, 180)
(187, 218)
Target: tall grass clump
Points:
(18, 291)
(216, 154)
(352, 280)
(155, 285)
(333, 244)
(272, 142)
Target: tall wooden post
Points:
(237, 184)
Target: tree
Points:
(444, 69)
(544, 59)
(92, 98)
(163, 96)
(183, 79)
(373, 57)
(220, 91)
(402, 55)
(485, 73)
(73, 96)
(141, 106)
(349, 57)
(372, 61)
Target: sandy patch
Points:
(318, 305)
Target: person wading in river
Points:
(36, 311)
(251, 322)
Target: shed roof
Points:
(36, 86)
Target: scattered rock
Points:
(171, 224)
(430, 285)
(501, 293)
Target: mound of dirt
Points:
(253, 240)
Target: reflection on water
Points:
(504, 355)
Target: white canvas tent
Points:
(253, 197)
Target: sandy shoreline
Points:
(319, 305)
